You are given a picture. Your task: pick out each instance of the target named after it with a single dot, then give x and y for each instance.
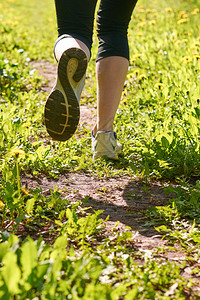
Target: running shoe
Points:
(62, 112)
(104, 143)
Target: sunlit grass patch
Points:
(162, 92)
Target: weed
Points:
(67, 254)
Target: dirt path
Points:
(122, 199)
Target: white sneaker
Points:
(104, 143)
(62, 111)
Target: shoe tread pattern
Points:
(62, 112)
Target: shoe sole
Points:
(62, 112)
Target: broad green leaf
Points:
(162, 228)
(29, 205)
(28, 258)
(3, 249)
(61, 242)
(11, 273)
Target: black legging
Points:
(75, 18)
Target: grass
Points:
(158, 123)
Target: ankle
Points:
(104, 129)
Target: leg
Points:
(111, 74)
(112, 58)
(75, 19)
(112, 66)
(72, 51)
